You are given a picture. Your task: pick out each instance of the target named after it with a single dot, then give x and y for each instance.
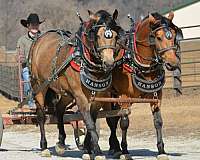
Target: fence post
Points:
(177, 74)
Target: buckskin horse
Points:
(93, 47)
(151, 46)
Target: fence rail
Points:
(9, 82)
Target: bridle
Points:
(151, 43)
(168, 35)
(87, 40)
(92, 37)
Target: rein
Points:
(86, 50)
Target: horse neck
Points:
(142, 36)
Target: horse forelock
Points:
(162, 21)
(107, 19)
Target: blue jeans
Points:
(27, 86)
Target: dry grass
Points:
(6, 104)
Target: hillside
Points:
(62, 13)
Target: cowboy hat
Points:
(32, 19)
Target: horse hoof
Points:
(87, 157)
(125, 157)
(45, 153)
(60, 149)
(81, 139)
(116, 155)
(100, 158)
(162, 157)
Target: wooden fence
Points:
(9, 77)
(9, 81)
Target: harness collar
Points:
(149, 86)
(93, 83)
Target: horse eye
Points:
(159, 38)
(168, 35)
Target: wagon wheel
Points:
(1, 128)
(79, 134)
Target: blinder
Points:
(179, 35)
(151, 39)
(168, 35)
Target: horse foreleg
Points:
(124, 124)
(87, 142)
(113, 141)
(60, 111)
(84, 107)
(41, 119)
(90, 125)
(158, 123)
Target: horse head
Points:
(163, 38)
(102, 36)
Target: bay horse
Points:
(93, 47)
(152, 46)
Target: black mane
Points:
(106, 18)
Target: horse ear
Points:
(171, 15)
(115, 14)
(152, 20)
(93, 16)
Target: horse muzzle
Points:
(107, 67)
(171, 67)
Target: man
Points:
(23, 47)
